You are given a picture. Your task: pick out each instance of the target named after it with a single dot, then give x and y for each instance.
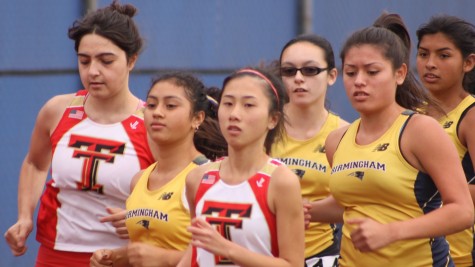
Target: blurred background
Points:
(209, 37)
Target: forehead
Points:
(302, 51)
(246, 86)
(167, 89)
(436, 40)
(94, 42)
(364, 53)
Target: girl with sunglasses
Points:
(445, 63)
(307, 68)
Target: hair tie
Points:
(264, 78)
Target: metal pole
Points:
(305, 16)
(89, 5)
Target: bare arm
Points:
(467, 138)
(110, 257)
(285, 200)
(192, 182)
(185, 260)
(34, 171)
(328, 210)
(428, 148)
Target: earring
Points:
(197, 128)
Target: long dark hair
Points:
(390, 34)
(462, 35)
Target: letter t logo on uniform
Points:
(93, 155)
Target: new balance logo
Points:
(381, 147)
(166, 196)
(357, 174)
(447, 124)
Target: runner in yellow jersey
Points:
(391, 169)
(307, 68)
(445, 63)
(177, 110)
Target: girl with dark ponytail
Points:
(181, 121)
(392, 168)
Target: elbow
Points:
(468, 217)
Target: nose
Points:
(158, 111)
(93, 68)
(235, 112)
(430, 62)
(360, 79)
(298, 78)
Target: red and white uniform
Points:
(239, 212)
(92, 166)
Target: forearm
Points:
(185, 260)
(448, 219)
(120, 258)
(30, 188)
(326, 211)
(170, 258)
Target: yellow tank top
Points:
(375, 181)
(461, 244)
(159, 217)
(308, 160)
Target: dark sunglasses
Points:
(306, 71)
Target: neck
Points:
(243, 163)
(172, 159)
(374, 125)
(298, 125)
(112, 109)
(447, 101)
(175, 156)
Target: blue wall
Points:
(211, 37)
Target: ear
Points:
(469, 63)
(132, 60)
(332, 75)
(273, 120)
(198, 119)
(401, 74)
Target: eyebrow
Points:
(99, 55)
(365, 65)
(246, 96)
(304, 63)
(166, 97)
(438, 50)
